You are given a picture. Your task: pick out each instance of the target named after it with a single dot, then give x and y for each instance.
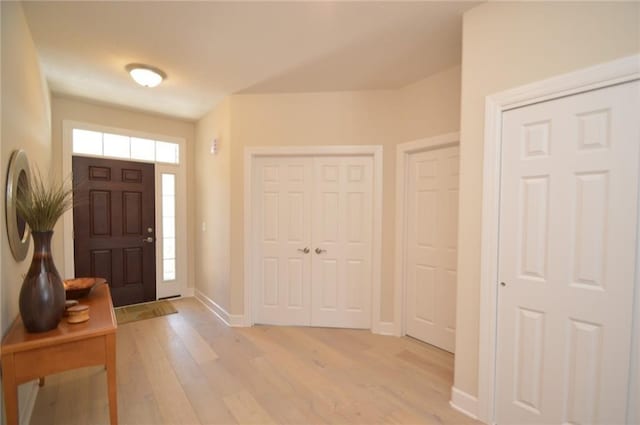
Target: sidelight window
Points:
(168, 226)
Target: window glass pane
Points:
(116, 145)
(87, 142)
(168, 184)
(168, 227)
(167, 152)
(168, 206)
(168, 248)
(169, 270)
(144, 149)
(168, 189)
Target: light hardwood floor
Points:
(189, 368)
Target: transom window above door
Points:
(96, 143)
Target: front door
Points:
(114, 226)
(568, 219)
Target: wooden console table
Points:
(28, 356)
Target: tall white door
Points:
(431, 250)
(281, 218)
(312, 221)
(342, 242)
(568, 221)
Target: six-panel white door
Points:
(281, 218)
(342, 242)
(312, 222)
(568, 221)
(431, 251)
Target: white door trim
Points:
(181, 199)
(603, 75)
(374, 151)
(403, 151)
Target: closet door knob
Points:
(305, 250)
(320, 251)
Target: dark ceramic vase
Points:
(42, 296)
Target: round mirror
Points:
(17, 180)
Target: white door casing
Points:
(431, 246)
(342, 233)
(178, 286)
(282, 213)
(607, 74)
(345, 200)
(568, 220)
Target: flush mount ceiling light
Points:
(145, 75)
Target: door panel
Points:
(430, 267)
(282, 212)
(568, 219)
(342, 229)
(110, 223)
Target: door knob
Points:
(320, 251)
(305, 250)
(148, 239)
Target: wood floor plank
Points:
(191, 368)
(247, 410)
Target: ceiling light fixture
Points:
(145, 75)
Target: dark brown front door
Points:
(114, 226)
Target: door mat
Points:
(133, 313)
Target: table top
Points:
(102, 320)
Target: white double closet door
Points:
(312, 240)
(567, 258)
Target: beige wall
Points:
(426, 108)
(213, 205)
(63, 108)
(430, 106)
(344, 118)
(507, 45)
(25, 124)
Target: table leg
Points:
(41, 381)
(10, 389)
(111, 378)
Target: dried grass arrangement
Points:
(42, 203)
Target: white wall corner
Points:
(232, 320)
(29, 403)
(464, 403)
(188, 292)
(385, 328)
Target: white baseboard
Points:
(464, 403)
(233, 320)
(29, 403)
(386, 328)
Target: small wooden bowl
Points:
(68, 304)
(81, 287)
(78, 313)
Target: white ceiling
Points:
(212, 49)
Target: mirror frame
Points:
(18, 164)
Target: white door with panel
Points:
(342, 242)
(431, 251)
(312, 221)
(568, 219)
